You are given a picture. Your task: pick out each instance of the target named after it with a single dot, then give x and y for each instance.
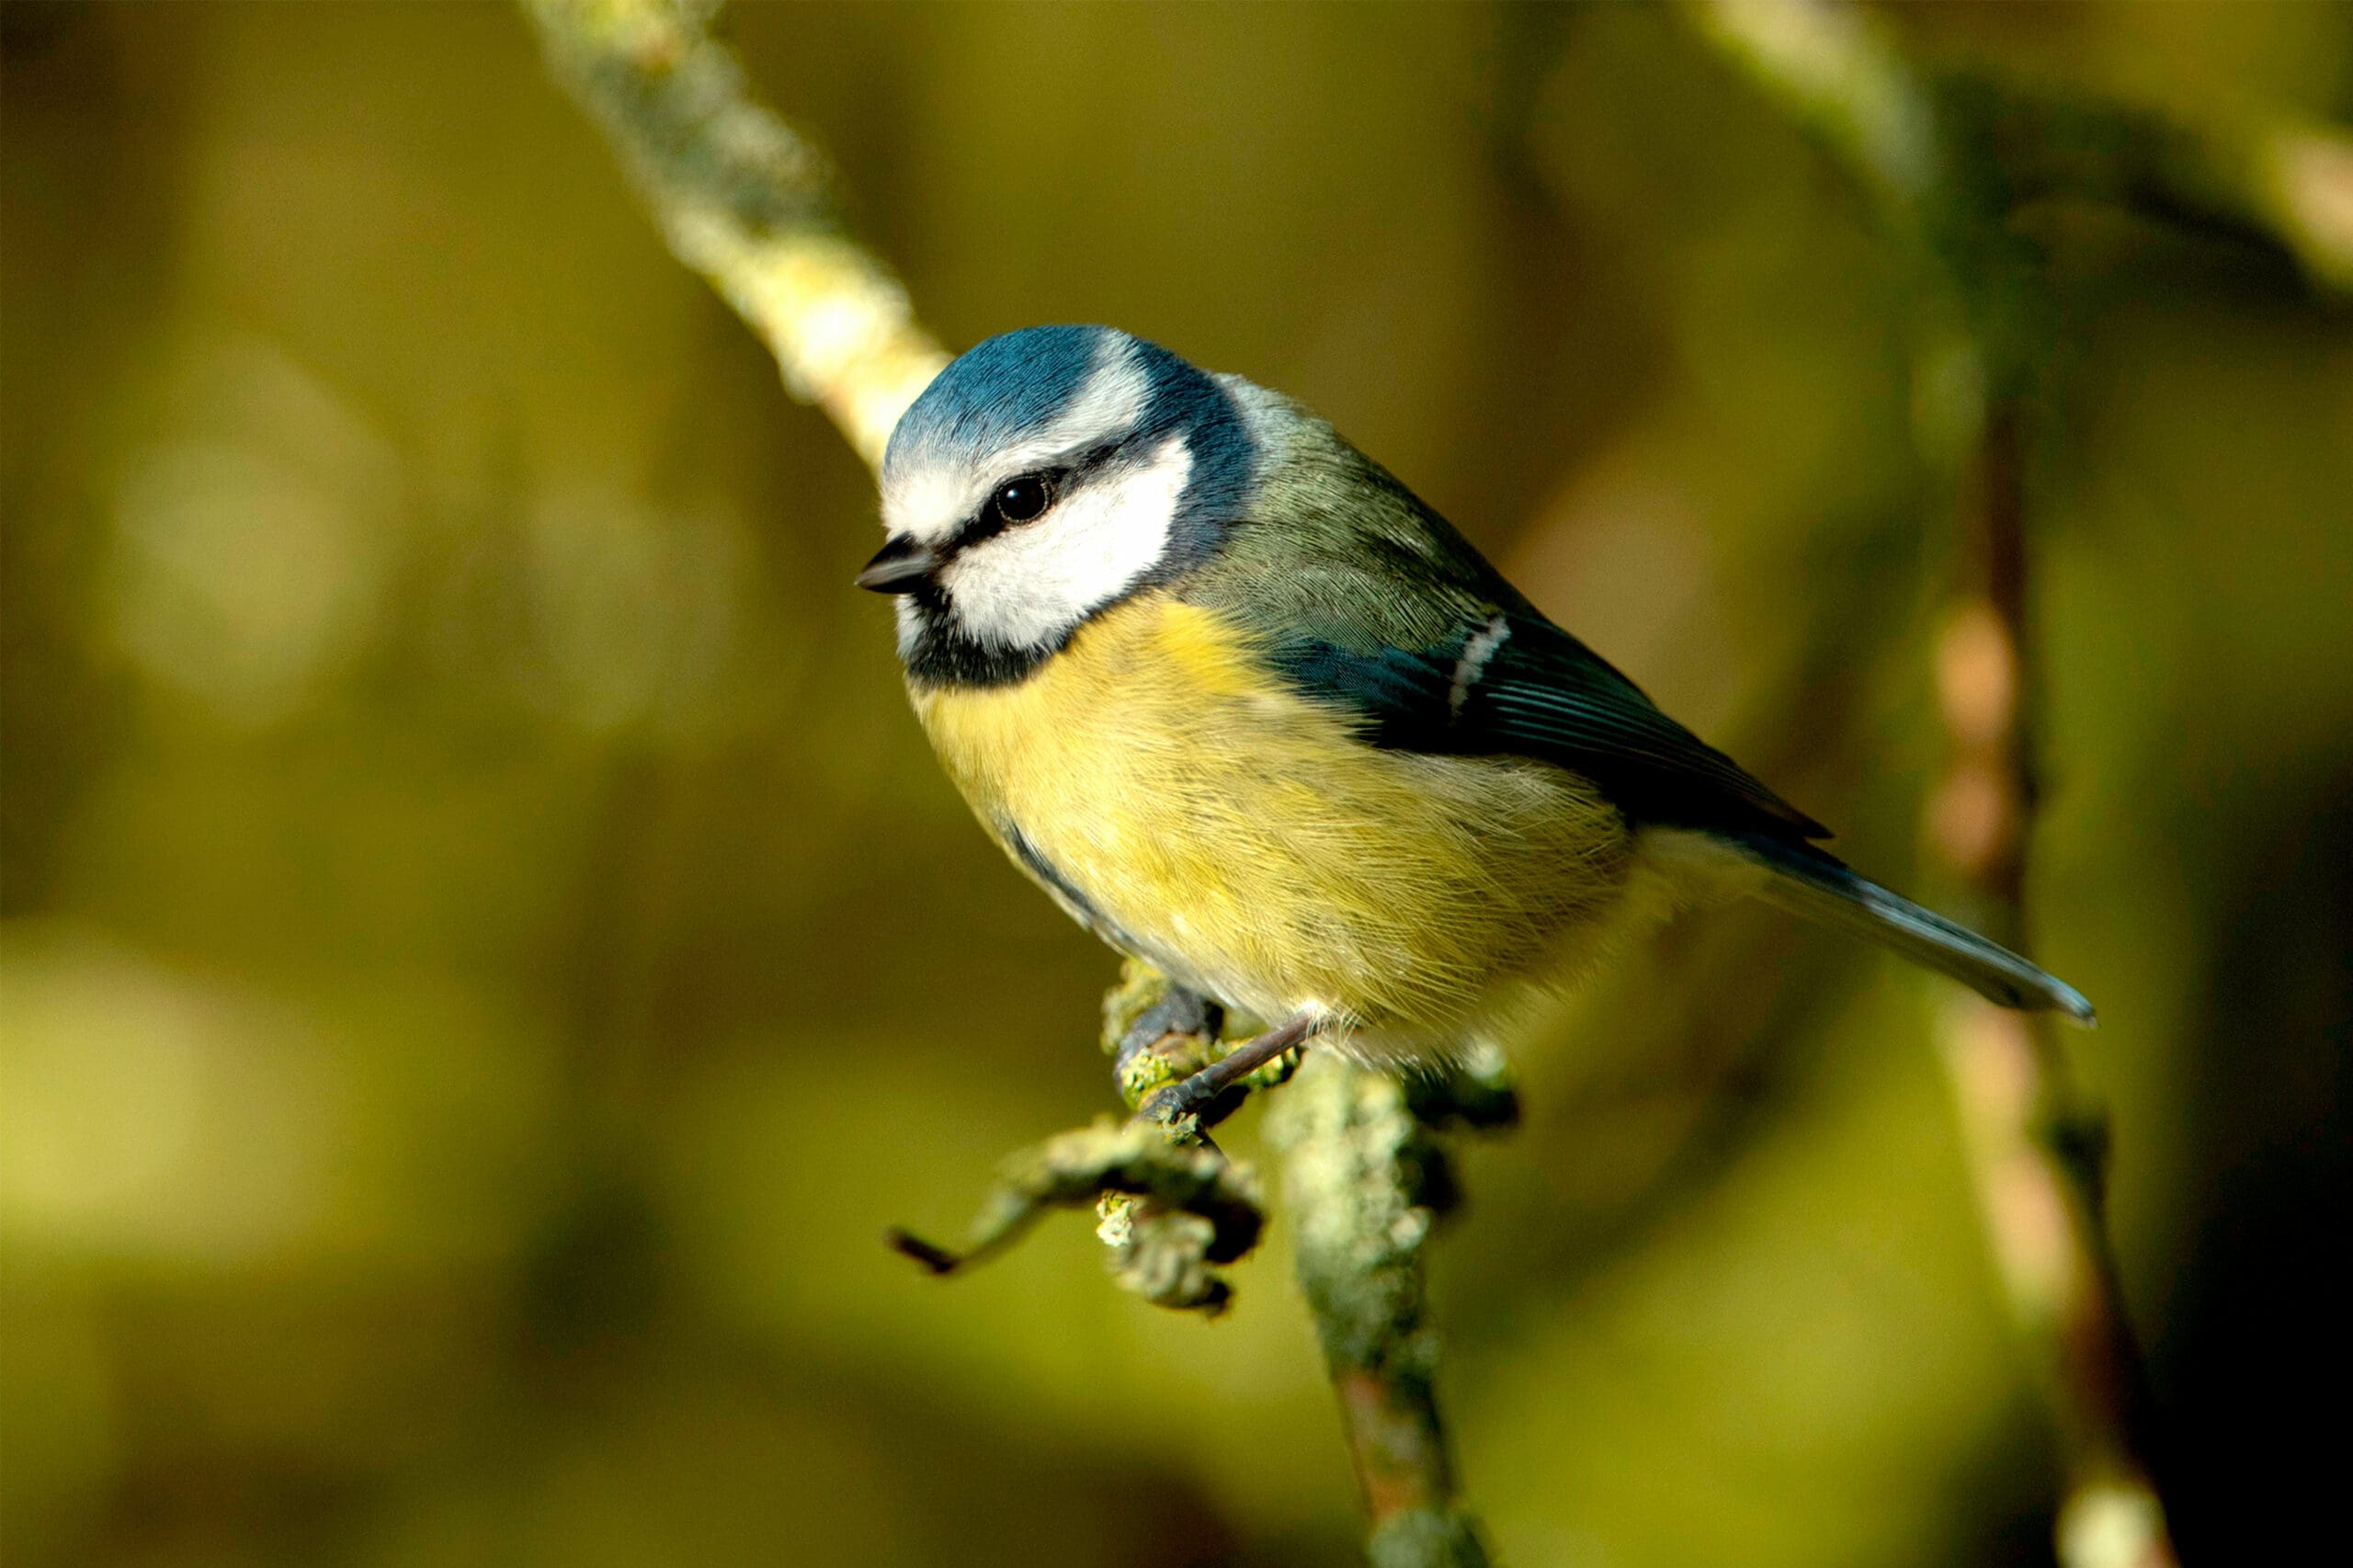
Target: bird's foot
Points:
(1209, 1096)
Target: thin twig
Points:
(1170, 1211)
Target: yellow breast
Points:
(1246, 841)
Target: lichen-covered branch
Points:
(1365, 1183)
(747, 202)
(1948, 163)
(1168, 1211)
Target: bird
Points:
(1251, 712)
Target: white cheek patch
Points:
(910, 627)
(934, 500)
(1031, 583)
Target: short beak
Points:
(899, 567)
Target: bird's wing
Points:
(1359, 593)
(1512, 684)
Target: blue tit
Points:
(1248, 709)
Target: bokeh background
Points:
(486, 949)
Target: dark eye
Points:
(1018, 500)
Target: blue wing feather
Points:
(1542, 694)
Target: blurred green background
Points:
(487, 950)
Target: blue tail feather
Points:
(1818, 885)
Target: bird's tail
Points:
(1821, 887)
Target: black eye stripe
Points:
(1059, 480)
(992, 520)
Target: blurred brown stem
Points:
(2035, 1147)
(1947, 165)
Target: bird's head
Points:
(1041, 479)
